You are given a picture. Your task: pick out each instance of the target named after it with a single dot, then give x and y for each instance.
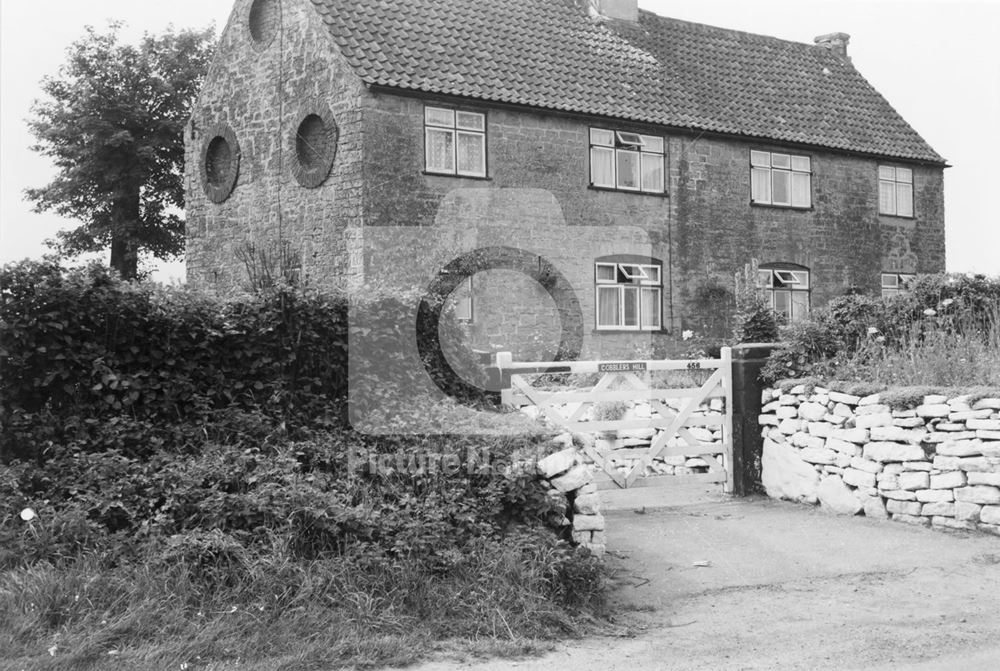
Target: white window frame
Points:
(629, 277)
(896, 283)
(769, 168)
(786, 283)
(648, 150)
(456, 123)
(895, 186)
(465, 307)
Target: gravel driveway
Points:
(711, 583)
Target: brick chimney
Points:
(835, 42)
(622, 10)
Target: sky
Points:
(936, 62)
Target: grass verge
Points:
(502, 596)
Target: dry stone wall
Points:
(571, 471)
(936, 464)
(627, 446)
(571, 482)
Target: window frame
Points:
(774, 171)
(889, 175)
(464, 293)
(787, 281)
(629, 276)
(900, 286)
(456, 129)
(623, 144)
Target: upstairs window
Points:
(454, 142)
(895, 191)
(626, 161)
(787, 288)
(895, 283)
(780, 179)
(628, 295)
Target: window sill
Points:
(617, 331)
(908, 217)
(608, 189)
(451, 174)
(793, 208)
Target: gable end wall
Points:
(262, 95)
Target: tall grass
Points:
(937, 351)
(276, 613)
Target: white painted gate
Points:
(674, 413)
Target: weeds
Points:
(331, 613)
(934, 352)
(944, 333)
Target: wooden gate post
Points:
(748, 360)
(499, 378)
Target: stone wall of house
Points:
(841, 239)
(378, 217)
(703, 230)
(536, 198)
(935, 464)
(261, 90)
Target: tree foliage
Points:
(112, 122)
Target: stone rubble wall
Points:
(626, 446)
(936, 464)
(569, 473)
(571, 482)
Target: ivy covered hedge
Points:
(96, 363)
(90, 361)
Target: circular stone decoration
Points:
(263, 21)
(220, 163)
(315, 143)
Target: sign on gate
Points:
(621, 366)
(670, 432)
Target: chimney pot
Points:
(835, 42)
(622, 10)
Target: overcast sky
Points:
(937, 62)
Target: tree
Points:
(113, 124)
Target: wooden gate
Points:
(674, 412)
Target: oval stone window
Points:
(315, 147)
(220, 161)
(263, 19)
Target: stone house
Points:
(613, 168)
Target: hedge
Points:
(90, 360)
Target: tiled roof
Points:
(556, 54)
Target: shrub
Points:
(806, 349)
(754, 320)
(943, 332)
(91, 360)
(756, 324)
